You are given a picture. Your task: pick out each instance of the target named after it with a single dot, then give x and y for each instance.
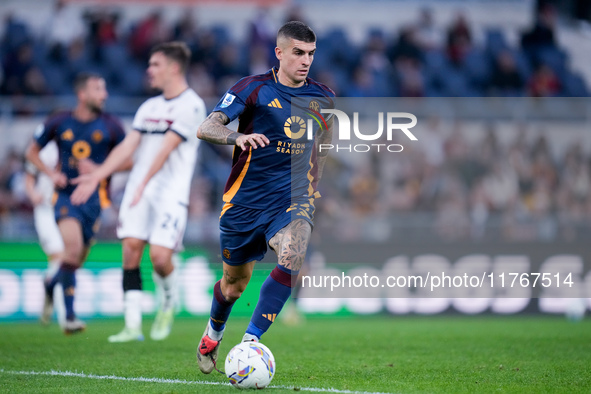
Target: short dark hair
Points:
(298, 31)
(177, 51)
(82, 78)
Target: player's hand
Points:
(138, 194)
(59, 179)
(36, 198)
(255, 140)
(87, 184)
(86, 166)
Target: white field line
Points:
(169, 381)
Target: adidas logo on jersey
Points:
(275, 104)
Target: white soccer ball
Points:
(250, 365)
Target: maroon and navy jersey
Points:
(77, 140)
(286, 168)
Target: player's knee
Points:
(233, 290)
(161, 261)
(292, 261)
(133, 244)
(162, 268)
(73, 253)
(132, 253)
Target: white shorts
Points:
(49, 234)
(155, 220)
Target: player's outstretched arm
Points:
(58, 178)
(118, 157)
(34, 196)
(214, 130)
(169, 143)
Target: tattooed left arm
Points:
(214, 130)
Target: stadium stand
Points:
(420, 58)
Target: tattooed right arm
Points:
(214, 130)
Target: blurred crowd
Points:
(421, 58)
(447, 187)
(450, 187)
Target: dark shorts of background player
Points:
(87, 214)
(245, 232)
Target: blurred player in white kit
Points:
(40, 189)
(155, 204)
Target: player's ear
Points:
(176, 67)
(278, 53)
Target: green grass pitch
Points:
(530, 354)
